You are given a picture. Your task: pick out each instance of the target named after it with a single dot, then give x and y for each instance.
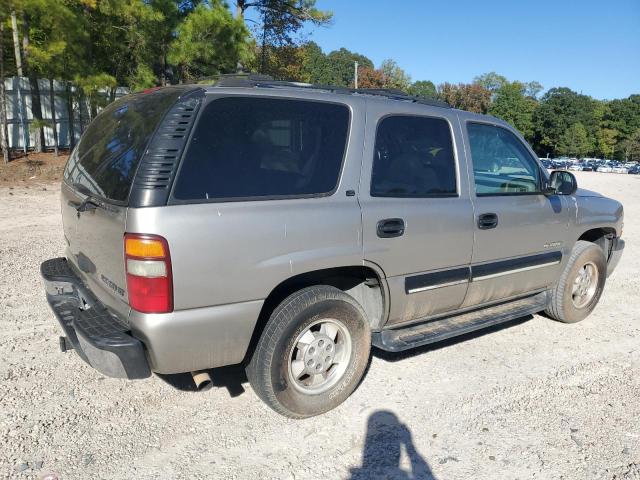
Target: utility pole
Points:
(355, 74)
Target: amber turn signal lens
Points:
(144, 248)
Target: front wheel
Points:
(580, 286)
(312, 354)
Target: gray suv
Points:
(289, 227)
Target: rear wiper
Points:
(89, 203)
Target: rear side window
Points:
(413, 158)
(106, 158)
(501, 163)
(248, 147)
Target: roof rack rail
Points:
(242, 79)
(266, 81)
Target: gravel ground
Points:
(534, 399)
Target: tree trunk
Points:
(72, 133)
(163, 73)
(263, 52)
(3, 111)
(16, 50)
(36, 101)
(54, 127)
(16, 42)
(240, 9)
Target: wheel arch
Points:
(601, 236)
(365, 283)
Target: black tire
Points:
(268, 370)
(561, 306)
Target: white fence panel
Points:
(19, 120)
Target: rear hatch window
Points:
(106, 158)
(258, 148)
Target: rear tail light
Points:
(148, 267)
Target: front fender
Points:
(597, 212)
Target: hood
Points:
(583, 192)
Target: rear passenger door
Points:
(520, 234)
(417, 216)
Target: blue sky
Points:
(591, 46)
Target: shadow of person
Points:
(383, 448)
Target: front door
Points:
(417, 216)
(520, 234)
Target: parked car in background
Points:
(604, 169)
(620, 169)
(561, 164)
(635, 170)
(577, 167)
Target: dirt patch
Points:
(33, 168)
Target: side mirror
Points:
(561, 182)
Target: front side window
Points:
(248, 147)
(501, 163)
(413, 158)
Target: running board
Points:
(432, 331)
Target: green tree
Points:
(161, 37)
(491, 81)
(119, 42)
(631, 147)
(423, 88)
(623, 116)
(280, 22)
(575, 141)
(314, 63)
(533, 89)
(340, 67)
(559, 109)
(394, 76)
(52, 29)
(606, 141)
(336, 68)
(209, 42)
(511, 104)
(284, 63)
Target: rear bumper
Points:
(616, 254)
(198, 338)
(98, 337)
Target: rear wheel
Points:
(580, 286)
(312, 354)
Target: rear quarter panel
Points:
(229, 252)
(235, 252)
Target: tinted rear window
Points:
(106, 158)
(245, 147)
